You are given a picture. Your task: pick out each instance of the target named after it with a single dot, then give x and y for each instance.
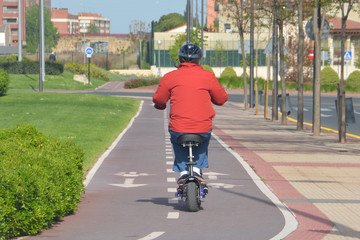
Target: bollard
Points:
(288, 104)
(349, 110)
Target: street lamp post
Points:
(159, 43)
(83, 26)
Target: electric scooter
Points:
(192, 189)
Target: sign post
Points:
(89, 51)
(347, 58)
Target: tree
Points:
(237, 13)
(341, 93)
(93, 29)
(318, 26)
(180, 39)
(32, 30)
(300, 59)
(139, 31)
(282, 12)
(219, 57)
(169, 21)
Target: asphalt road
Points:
(328, 109)
(131, 195)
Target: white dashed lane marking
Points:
(173, 215)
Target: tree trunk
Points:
(282, 73)
(342, 107)
(317, 70)
(300, 58)
(243, 53)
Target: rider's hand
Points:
(160, 106)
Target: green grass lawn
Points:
(91, 121)
(64, 81)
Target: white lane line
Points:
(169, 162)
(212, 177)
(171, 179)
(98, 163)
(173, 201)
(152, 235)
(169, 157)
(291, 223)
(169, 170)
(171, 190)
(173, 215)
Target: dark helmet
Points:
(189, 52)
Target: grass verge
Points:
(64, 81)
(91, 121)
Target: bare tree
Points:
(138, 33)
(241, 18)
(345, 11)
(300, 58)
(283, 13)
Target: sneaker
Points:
(200, 178)
(182, 178)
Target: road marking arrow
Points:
(129, 183)
(214, 175)
(222, 185)
(131, 174)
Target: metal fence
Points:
(216, 54)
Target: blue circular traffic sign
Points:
(89, 51)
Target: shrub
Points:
(352, 83)
(208, 68)
(329, 79)
(83, 69)
(135, 83)
(228, 72)
(235, 82)
(32, 67)
(40, 180)
(54, 68)
(4, 82)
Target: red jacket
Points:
(191, 90)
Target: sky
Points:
(123, 12)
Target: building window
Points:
(356, 43)
(10, 20)
(10, 9)
(227, 27)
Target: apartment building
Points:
(9, 10)
(47, 3)
(85, 19)
(65, 22)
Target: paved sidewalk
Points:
(316, 177)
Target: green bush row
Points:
(83, 69)
(135, 83)
(40, 180)
(329, 81)
(4, 82)
(32, 67)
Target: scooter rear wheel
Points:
(192, 197)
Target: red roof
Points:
(335, 24)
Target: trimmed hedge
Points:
(135, 83)
(207, 68)
(40, 180)
(329, 79)
(228, 72)
(352, 83)
(4, 82)
(83, 69)
(32, 67)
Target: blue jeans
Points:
(181, 153)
